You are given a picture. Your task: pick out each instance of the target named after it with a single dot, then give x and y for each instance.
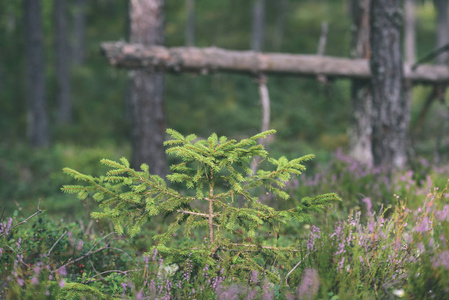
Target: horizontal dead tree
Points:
(211, 60)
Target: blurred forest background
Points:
(310, 116)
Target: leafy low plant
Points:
(221, 197)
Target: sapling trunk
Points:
(211, 211)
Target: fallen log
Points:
(212, 60)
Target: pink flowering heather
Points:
(62, 271)
(310, 284)
(441, 260)
(442, 215)
(20, 281)
(315, 234)
(79, 245)
(424, 225)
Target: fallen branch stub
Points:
(205, 60)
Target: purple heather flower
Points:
(154, 254)
(341, 263)
(369, 206)
(20, 281)
(140, 296)
(341, 248)
(424, 225)
(8, 227)
(315, 233)
(442, 215)
(251, 295)
(124, 286)
(254, 277)
(79, 245)
(61, 283)
(310, 284)
(442, 259)
(338, 230)
(38, 268)
(5, 228)
(371, 225)
(420, 247)
(229, 293)
(35, 281)
(152, 286)
(62, 271)
(267, 292)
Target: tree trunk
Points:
(442, 7)
(360, 131)
(63, 101)
(79, 32)
(257, 41)
(390, 107)
(147, 27)
(190, 24)
(410, 31)
(409, 52)
(38, 131)
(282, 6)
(258, 29)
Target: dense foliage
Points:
(387, 238)
(399, 249)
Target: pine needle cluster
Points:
(221, 196)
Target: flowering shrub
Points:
(355, 182)
(405, 253)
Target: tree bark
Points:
(360, 130)
(323, 39)
(266, 111)
(190, 24)
(442, 38)
(258, 25)
(211, 60)
(390, 108)
(63, 101)
(38, 131)
(79, 32)
(282, 6)
(147, 27)
(410, 31)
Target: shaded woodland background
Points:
(310, 116)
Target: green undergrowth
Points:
(368, 254)
(28, 175)
(386, 239)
